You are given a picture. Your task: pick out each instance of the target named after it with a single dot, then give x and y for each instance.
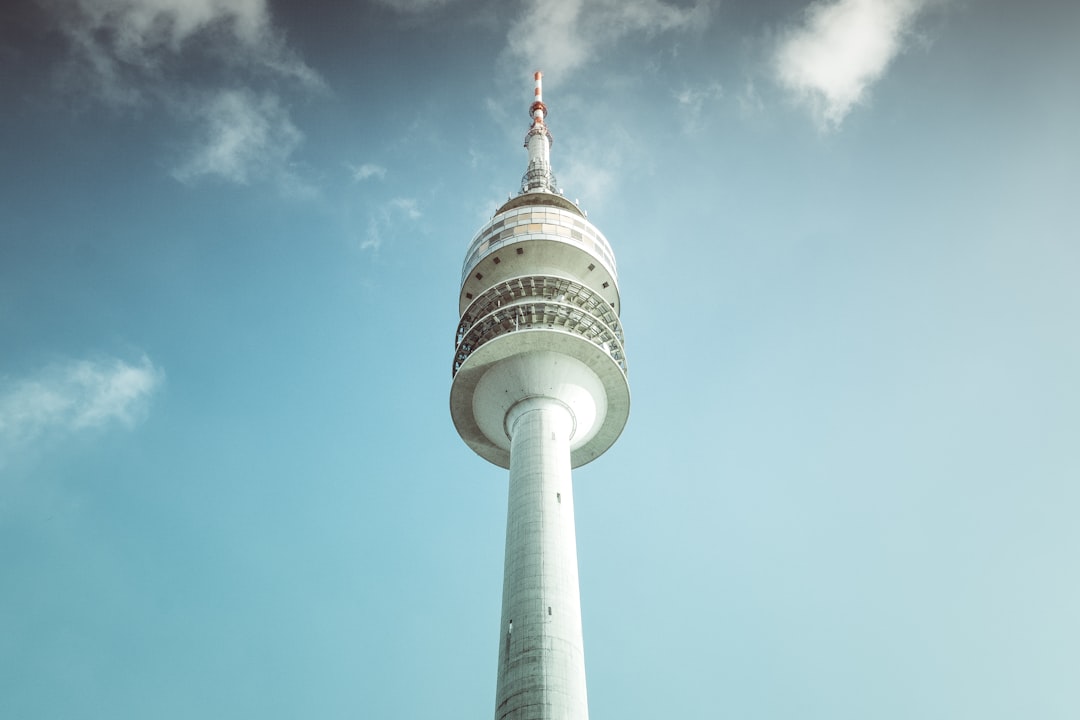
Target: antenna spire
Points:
(538, 176)
(538, 110)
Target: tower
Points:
(540, 388)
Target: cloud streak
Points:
(563, 35)
(842, 47)
(693, 103)
(244, 135)
(202, 60)
(124, 49)
(75, 396)
(387, 217)
(413, 6)
(367, 171)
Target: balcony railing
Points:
(540, 287)
(528, 315)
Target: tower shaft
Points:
(541, 673)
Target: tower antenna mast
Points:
(538, 176)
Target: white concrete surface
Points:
(611, 401)
(541, 672)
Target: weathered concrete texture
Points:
(541, 672)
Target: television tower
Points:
(540, 388)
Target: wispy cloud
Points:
(125, 49)
(594, 168)
(74, 396)
(367, 171)
(750, 102)
(244, 135)
(407, 207)
(692, 104)
(563, 35)
(841, 48)
(595, 181)
(385, 218)
(135, 53)
(413, 6)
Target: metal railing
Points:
(539, 177)
(530, 315)
(540, 287)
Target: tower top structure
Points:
(538, 176)
(539, 277)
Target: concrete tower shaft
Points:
(539, 388)
(541, 672)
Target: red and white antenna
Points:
(538, 110)
(538, 176)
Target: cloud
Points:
(384, 218)
(563, 35)
(124, 49)
(367, 171)
(591, 171)
(75, 396)
(843, 47)
(203, 60)
(406, 206)
(413, 6)
(691, 104)
(244, 135)
(750, 102)
(589, 179)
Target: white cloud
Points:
(124, 49)
(563, 35)
(128, 53)
(367, 171)
(74, 396)
(244, 136)
(842, 48)
(374, 238)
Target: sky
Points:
(231, 235)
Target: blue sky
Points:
(231, 233)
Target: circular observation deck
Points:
(539, 233)
(539, 318)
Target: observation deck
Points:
(537, 217)
(539, 308)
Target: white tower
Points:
(540, 388)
